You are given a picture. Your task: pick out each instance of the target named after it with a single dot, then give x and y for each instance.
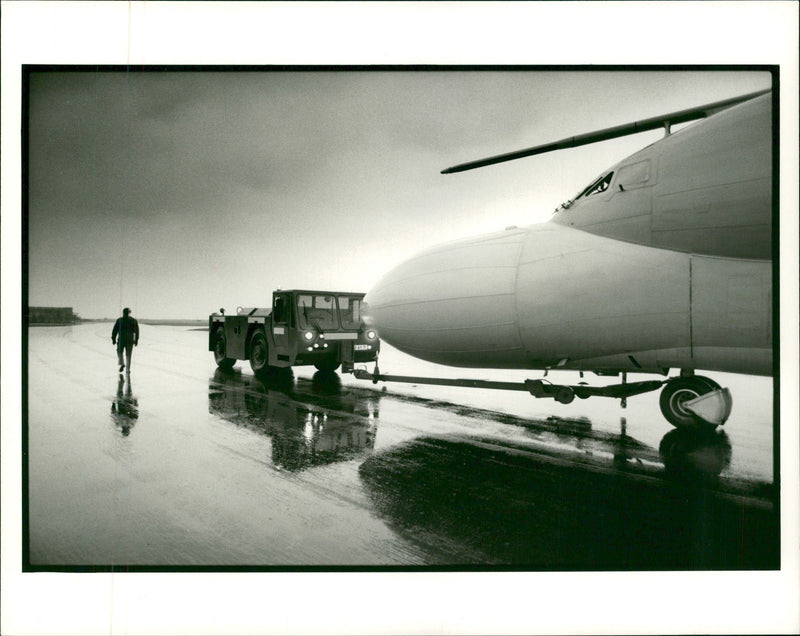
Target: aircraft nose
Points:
(453, 304)
(536, 297)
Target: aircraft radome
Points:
(662, 264)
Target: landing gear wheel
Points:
(564, 394)
(220, 351)
(259, 353)
(328, 366)
(677, 392)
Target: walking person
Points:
(126, 336)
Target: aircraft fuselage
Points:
(706, 189)
(662, 262)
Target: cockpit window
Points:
(633, 175)
(601, 185)
(596, 187)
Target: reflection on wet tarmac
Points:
(559, 496)
(124, 406)
(309, 424)
(695, 454)
(526, 507)
(304, 471)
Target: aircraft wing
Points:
(652, 123)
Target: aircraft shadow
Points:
(508, 505)
(309, 423)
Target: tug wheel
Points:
(259, 353)
(221, 350)
(677, 392)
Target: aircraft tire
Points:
(221, 349)
(259, 353)
(564, 394)
(680, 390)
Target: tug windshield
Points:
(323, 311)
(350, 312)
(318, 311)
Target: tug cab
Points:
(302, 327)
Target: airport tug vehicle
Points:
(303, 327)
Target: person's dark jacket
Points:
(128, 330)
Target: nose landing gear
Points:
(688, 402)
(695, 402)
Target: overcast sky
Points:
(176, 193)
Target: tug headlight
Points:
(371, 334)
(308, 335)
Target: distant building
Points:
(51, 315)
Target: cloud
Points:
(194, 177)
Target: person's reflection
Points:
(691, 453)
(124, 407)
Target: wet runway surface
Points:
(182, 465)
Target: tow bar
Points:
(563, 393)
